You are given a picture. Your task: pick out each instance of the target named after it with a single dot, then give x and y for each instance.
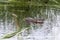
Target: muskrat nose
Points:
(34, 20)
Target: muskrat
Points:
(34, 20)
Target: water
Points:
(6, 25)
(49, 30)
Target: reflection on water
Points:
(49, 30)
(6, 26)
